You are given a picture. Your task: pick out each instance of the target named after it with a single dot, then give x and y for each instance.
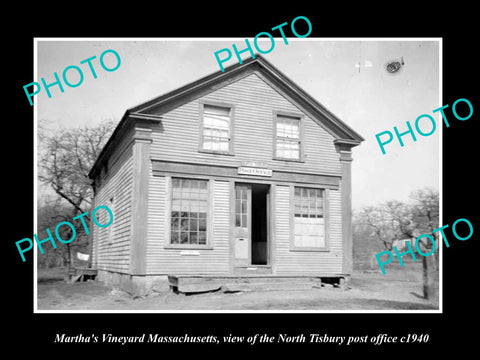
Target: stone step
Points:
(269, 286)
(260, 282)
(252, 270)
(234, 284)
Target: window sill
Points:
(216, 152)
(288, 160)
(188, 247)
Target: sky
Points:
(347, 76)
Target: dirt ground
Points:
(399, 289)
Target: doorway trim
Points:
(270, 226)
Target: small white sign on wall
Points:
(245, 170)
(189, 253)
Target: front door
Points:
(251, 225)
(243, 224)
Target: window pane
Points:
(305, 209)
(238, 220)
(295, 154)
(297, 209)
(216, 110)
(237, 206)
(202, 237)
(175, 223)
(202, 207)
(175, 237)
(184, 225)
(193, 238)
(312, 204)
(207, 145)
(184, 237)
(194, 184)
(202, 224)
(193, 224)
(176, 194)
(223, 146)
(244, 207)
(175, 182)
(295, 133)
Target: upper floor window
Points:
(287, 137)
(216, 132)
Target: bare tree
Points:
(395, 220)
(426, 212)
(426, 209)
(376, 218)
(65, 158)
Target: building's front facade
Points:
(238, 173)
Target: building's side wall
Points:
(111, 245)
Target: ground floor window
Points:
(189, 212)
(309, 218)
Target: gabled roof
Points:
(151, 109)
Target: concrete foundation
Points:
(136, 285)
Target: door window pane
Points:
(241, 206)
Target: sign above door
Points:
(256, 171)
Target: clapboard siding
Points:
(254, 102)
(111, 245)
(161, 260)
(303, 262)
(157, 199)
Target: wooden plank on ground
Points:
(199, 287)
(76, 278)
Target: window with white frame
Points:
(216, 131)
(189, 212)
(287, 137)
(309, 218)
